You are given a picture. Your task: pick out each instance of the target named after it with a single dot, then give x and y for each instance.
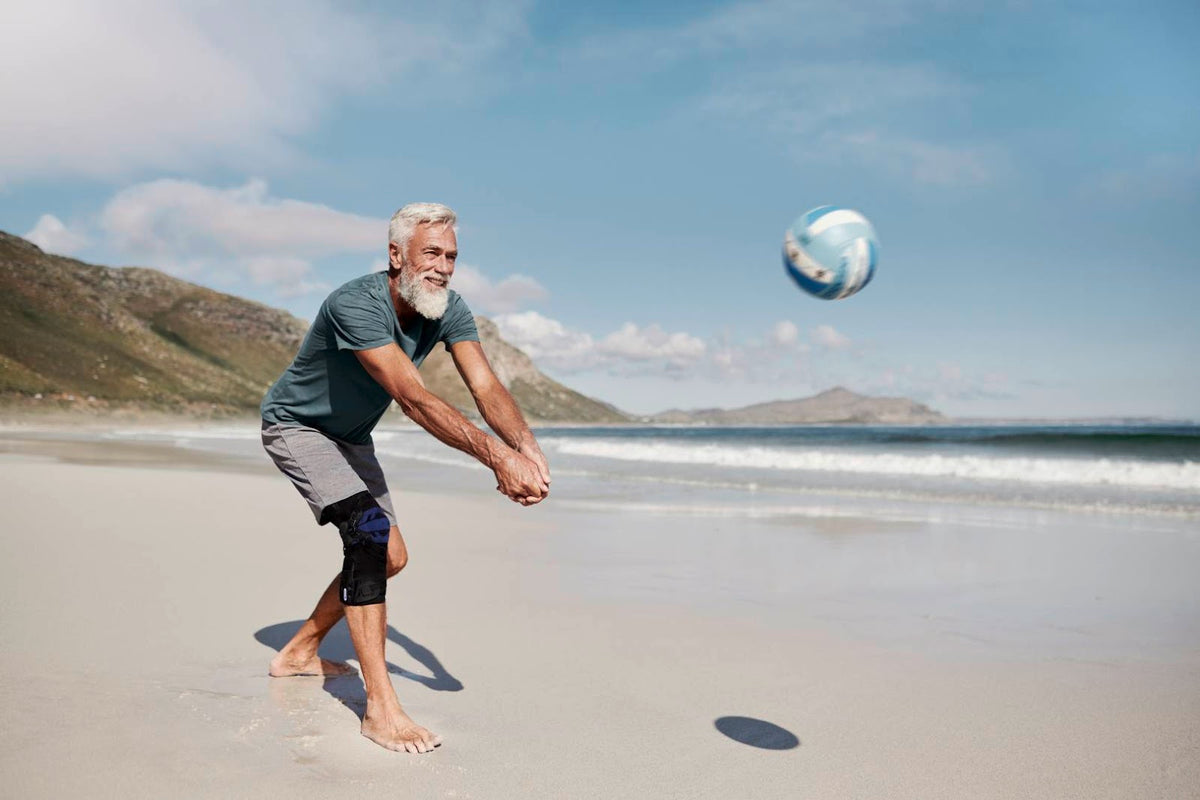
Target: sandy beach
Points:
(574, 652)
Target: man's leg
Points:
(384, 722)
(299, 656)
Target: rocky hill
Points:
(836, 405)
(77, 336)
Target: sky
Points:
(624, 174)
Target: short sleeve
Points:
(458, 323)
(357, 320)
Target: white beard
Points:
(429, 303)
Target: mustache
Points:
(418, 277)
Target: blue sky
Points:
(624, 174)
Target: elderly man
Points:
(361, 353)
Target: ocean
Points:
(1070, 540)
(1150, 470)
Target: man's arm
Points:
(496, 404)
(517, 475)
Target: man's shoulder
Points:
(457, 312)
(371, 283)
(357, 291)
(457, 304)
(458, 323)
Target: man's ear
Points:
(395, 258)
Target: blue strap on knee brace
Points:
(364, 529)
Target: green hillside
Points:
(77, 336)
(132, 336)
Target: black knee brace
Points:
(364, 529)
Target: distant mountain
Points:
(833, 406)
(79, 336)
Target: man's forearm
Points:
(504, 417)
(448, 425)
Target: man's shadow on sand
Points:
(338, 647)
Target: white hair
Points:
(405, 221)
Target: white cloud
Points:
(173, 217)
(496, 297)
(649, 350)
(652, 343)
(243, 236)
(828, 337)
(629, 350)
(548, 342)
(103, 89)
(192, 229)
(785, 334)
(778, 356)
(100, 89)
(291, 277)
(53, 236)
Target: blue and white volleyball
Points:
(831, 252)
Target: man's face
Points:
(426, 267)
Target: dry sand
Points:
(561, 655)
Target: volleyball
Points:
(831, 252)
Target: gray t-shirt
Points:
(326, 387)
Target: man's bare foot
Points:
(395, 730)
(285, 665)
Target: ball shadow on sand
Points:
(757, 733)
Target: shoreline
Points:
(90, 444)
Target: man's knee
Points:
(365, 532)
(397, 553)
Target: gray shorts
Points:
(325, 470)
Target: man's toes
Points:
(337, 668)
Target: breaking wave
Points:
(1016, 469)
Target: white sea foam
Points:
(443, 456)
(1068, 471)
